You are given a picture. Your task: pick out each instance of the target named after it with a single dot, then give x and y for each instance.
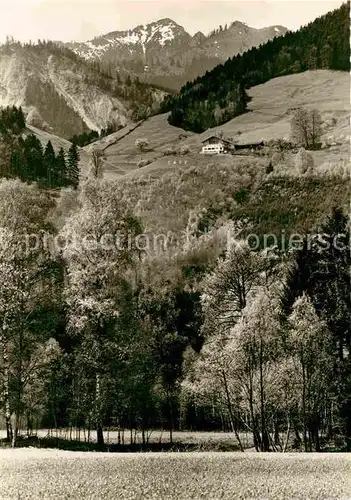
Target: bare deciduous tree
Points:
(306, 127)
(226, 290)
(97, 163)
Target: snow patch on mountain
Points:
(166, 34)
(132, 38)
(140, 38)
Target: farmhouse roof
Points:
(218, 138)
(249, 145)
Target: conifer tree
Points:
(72, 165)
(21, 122)
(49, 163)
(331, 296)
(60, 173)
(33, 154)
(17, 169)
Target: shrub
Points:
(142, 144)
(184, 150)
(304, 162)
(169, 151)
(280, 144)
(242, 195)
(270, 168)
(183, 136)
(143, 163)
(277, 158)
(284, 144)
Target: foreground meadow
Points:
(53, 474)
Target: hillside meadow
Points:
(52, 474)
(268, 117)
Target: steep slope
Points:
(58, 93)
(63, 94)
(220, 95)
(58, 143)
(273, 103)
(120, 152)
(45, 137)
(163, 52)
(168, 190)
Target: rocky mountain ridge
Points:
(163, 52)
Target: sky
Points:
(82, 20)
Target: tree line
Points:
(96, 335)
(23, 156)
(86, 138)
(220, 94)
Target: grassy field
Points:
(208, 441)
(51, 474)
(121, 155)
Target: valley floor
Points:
(53, 474)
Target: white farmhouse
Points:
(216, 145)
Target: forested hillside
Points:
(23, 156)
(220, 94)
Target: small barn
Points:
(252, 146)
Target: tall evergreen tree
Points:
(21, 122)
(60, 173)
(49, 163)
(33, 157)
(17, 162)
(331, 295)
(72, 165)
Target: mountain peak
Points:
(164, 52)
(238, 24)
(199, 36)
(280, 29)
(165, 21)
